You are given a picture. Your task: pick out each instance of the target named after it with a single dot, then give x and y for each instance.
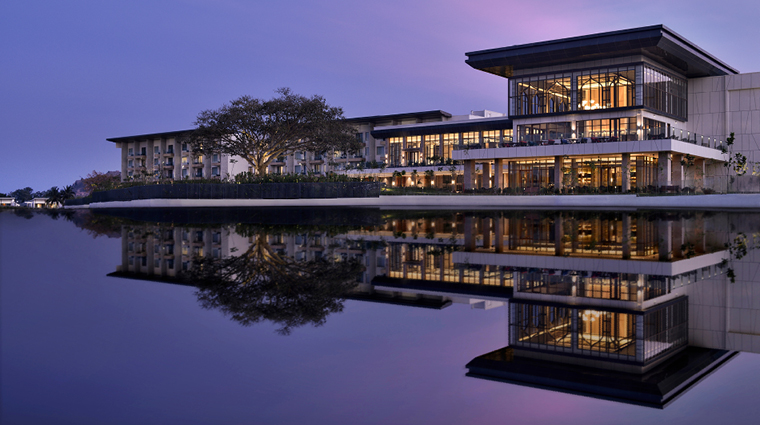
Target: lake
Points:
(379, 317)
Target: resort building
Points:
(7, 201)
(38, 203)
(632, 110)
(162, 156)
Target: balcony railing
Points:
(601, 137)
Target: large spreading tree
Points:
(263, 130)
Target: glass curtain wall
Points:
(665, 92)
(432, 150)
(608, 130)
(604, 89)
(541, 134)
(591, 174)
(449, 140)
(394, 151)
(413, 151)
(533, 175)
(491, 139)
(542, 94)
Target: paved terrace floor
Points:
(469, 202)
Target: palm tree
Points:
(67, 193)
(53, 197)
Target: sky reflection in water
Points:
(79, 346)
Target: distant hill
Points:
(79, 189)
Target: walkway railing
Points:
(602, 137)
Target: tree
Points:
(57, 196)
(97, 181)
(22, 195)
(261, 130)
(53, 196)
(261, 285)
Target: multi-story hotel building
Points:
(620, 111)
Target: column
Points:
(124, 159)
(486, 179)
(625, 168)
(498, 174)
(469, 233)
(487, 233)
(626, 236)
(512, 174)
(403, 151)
(665, 235)
(678, 238)
(469, 174)
(664, 160)
(558, 183)
(676, 169)
(498, 230)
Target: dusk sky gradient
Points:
(77, 72)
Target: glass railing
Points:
(600, 137)
(693, 138)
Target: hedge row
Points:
(237, 191)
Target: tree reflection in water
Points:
(261, 285)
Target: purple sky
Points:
(77, 72)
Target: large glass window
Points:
(612, 130)
(470, 138)
(394, 151)
(431, 147)
(538, 134)
(449, 140)
(603, 89)
(413, 150)
(541, 327)
(541, 94)
(665, 92)
(613, 334)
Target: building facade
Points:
(633, 110)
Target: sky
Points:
(75, 73)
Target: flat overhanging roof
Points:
(422, 115)
(150, 136)
(478, 124)
(656, 42)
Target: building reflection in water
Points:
(633, 307)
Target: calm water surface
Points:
(379, 317)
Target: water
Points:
(80, 346)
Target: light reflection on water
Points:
(638, 308)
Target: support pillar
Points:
(498, 174)
(664, 162)
(665, 234)
(626, 236)
(677, 173)
(558, 173)
(486, 179)
(487, 223)
(469, 233)
(469, 174)
(626, 170)
(498, 230)
(512, 174)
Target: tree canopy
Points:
(22, 195)
(261, 284)
(261, 130)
